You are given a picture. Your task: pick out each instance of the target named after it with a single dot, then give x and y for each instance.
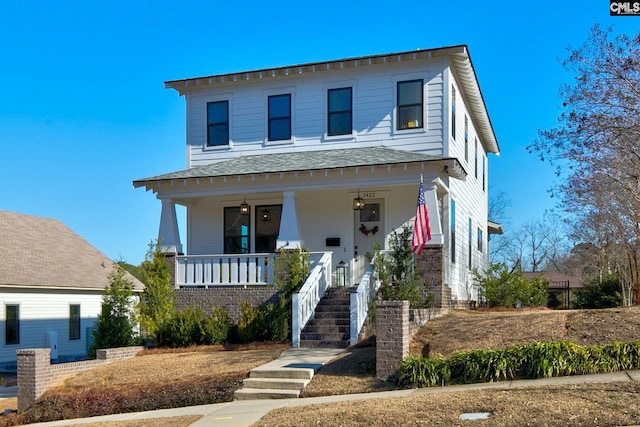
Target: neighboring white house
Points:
(51, 287)
(280, 157)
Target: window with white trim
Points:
(217, 123)
(340, 111)
(410, 99)
(279, 117)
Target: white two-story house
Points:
(328, 156)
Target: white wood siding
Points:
(48, 311)
(374, 99)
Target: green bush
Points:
(535, 360)
(267, 322)
(606, 293)
(214, 328)
(503, 288)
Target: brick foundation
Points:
(36, 373)
(230, 297)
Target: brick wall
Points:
(36, 373)
(230, 297)
(392, 336)
(430, 267)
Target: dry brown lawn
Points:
(354, 372)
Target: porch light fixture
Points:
(358, 202)
(244, 207)
(265, 215)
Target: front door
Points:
(369, 229)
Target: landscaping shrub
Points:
(214, 328)
(535, 360)
(192, 326)
(503, 288)
(267, 322)
(606, 293)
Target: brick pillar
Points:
(34, 375)
(392, 336)
(170, 257)
(430, 268)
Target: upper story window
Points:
(12, 324)
(410, 104)
(453, 112)
(484, 173)
(475, 161)
(340, 119)
(218, 123)
(279, 117)
(466, 138)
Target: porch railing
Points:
(221, 270)
(304, 302)
(359, 303)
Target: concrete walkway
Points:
(246, 413)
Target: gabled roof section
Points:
(306, 161)
(459, 54)
(41, 252)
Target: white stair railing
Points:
(304, 302)
(360, 299)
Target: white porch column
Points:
(289, 237)
(168, 233)
(431, 196)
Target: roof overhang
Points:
(308, 162)
(494, 228)
(459, 54)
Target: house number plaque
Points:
(370, 195)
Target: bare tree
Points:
(597, 143)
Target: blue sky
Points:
(84, 112)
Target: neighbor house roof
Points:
(556, 279)
(305, 161)
(459, 55)
(44, 253)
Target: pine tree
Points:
(116, 325)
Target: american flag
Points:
(421, 227)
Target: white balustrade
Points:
(305, 301)
(221, 270)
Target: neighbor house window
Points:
(453, 232)
(470, 241)
(453, 112)
(279, 117)
(12, 324)
(218, 123)
(340, 111)
(74, 322)
(479, 240)
(410, 104)
(236, 231)
(267, 225)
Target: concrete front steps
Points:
(330, 327)
(286, 376)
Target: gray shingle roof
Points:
(297, 161)
(43, 252)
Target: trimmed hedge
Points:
(530, 361)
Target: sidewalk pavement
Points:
(246, 413)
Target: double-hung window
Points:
(410, 104)
(217, 123)
(12, 324)
(340, 120)
(279, 107)
(74, 322)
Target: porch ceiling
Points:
(306, 161)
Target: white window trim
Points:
(405, 77)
